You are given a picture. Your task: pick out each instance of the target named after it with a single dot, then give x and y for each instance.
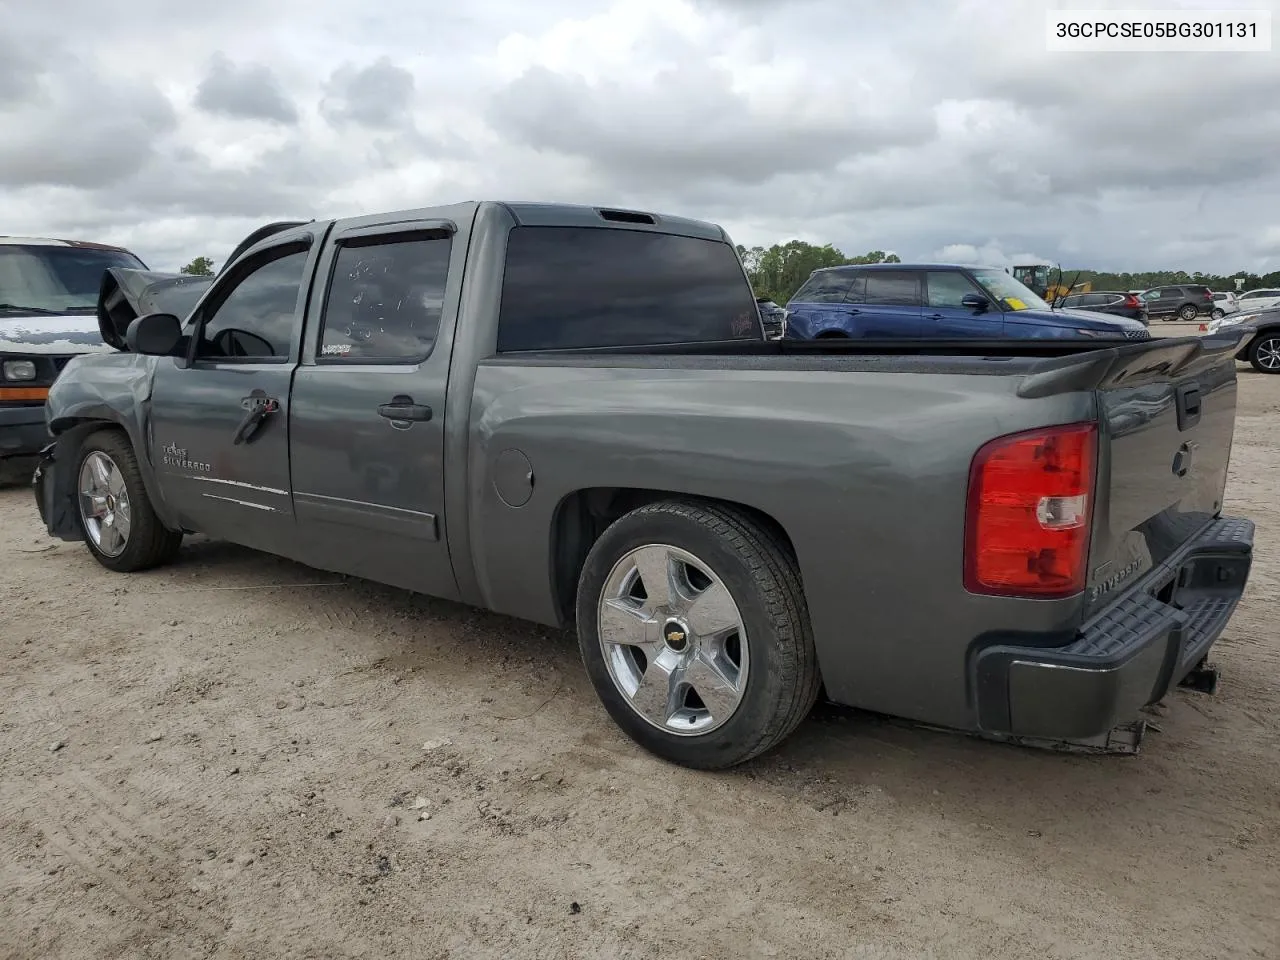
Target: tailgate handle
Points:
(1188, 400)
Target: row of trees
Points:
(778, 271)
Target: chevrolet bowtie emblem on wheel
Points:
(675, 637)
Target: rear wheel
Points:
(1188, 311)
(694, 631)
(120, 527)
(1217, 313)
(1264, 353)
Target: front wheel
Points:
(120, 527)
(1188, 311)
(1264, 354)
(694, 630)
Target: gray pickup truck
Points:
(571, 415)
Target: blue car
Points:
(896, 301)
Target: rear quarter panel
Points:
(865, 469)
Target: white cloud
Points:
(921, 127)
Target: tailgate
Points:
(1166, 416)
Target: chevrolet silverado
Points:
(571, 415)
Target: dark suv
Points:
(1181, 301)
(1116, 302)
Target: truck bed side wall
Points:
(865, 472)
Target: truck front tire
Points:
(120, 527)
(693, 628)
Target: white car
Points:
(1224, 303)
(1254, 300)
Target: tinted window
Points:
(1076, 301)
(947, 288)
(892, 288)
(825, 286)
(386, 295)
(256, 319)
(576, 287)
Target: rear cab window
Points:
(566, 288)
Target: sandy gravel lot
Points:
(240, 757)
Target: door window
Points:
(948, 288)
(385, 299)
(255, 321)
(893, 288)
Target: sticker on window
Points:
(336, 349)
(1014, 303)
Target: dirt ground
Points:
(240, 757)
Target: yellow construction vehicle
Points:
(1036, 277)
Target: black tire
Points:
(149, 543)
(764, 581)
(1188, 311)
(1217, 313)
(832, 335)
(1265, 350)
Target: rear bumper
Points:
(23, 432)
(1127, 656)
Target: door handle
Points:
(402, 407)
(934, 316)
(257, 406)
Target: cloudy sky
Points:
(926, 127)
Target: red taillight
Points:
(1131, 302)
(1208, 295)
(1029, 513)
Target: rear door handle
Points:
(402, 407)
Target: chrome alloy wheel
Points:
(673, 640)
(1268, 354)
(104, 504)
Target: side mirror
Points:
(975, 302)
(156, 335)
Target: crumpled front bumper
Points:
(1125, 657)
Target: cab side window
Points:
(386, 297)
(256, 319)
